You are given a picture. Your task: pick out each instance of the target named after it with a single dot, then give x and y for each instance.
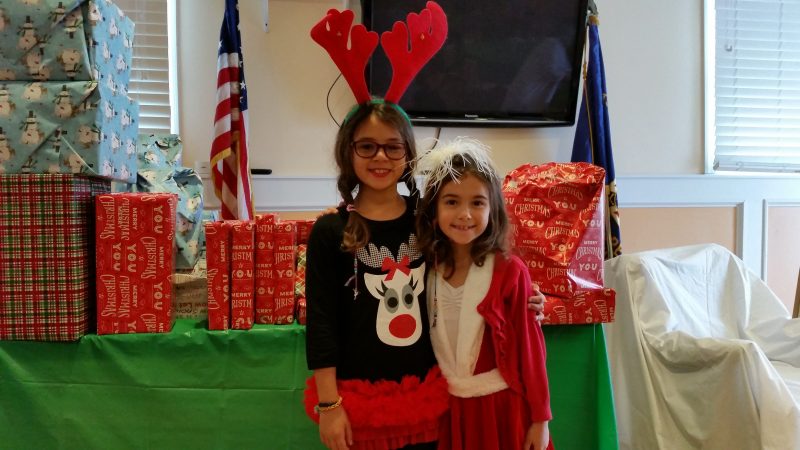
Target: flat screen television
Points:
(506, 63)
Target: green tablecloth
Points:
(194, 388)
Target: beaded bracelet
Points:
(323, 407)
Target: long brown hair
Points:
(432, 241)
(356, 233)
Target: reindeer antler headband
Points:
(427, 32)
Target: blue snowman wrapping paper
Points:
(160, 151)
(160, 171)
(74, 40)
(67, 127)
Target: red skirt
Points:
(387, 415)
(497, 421)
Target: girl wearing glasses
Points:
(375, 381)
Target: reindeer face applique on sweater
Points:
(397, 289)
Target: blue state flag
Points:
(593, 135)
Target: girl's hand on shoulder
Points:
(538, 437)
(334, 429)
(536, 302)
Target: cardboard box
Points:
(190, 296)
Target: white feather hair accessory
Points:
(437, 164)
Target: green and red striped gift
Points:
(47, 255)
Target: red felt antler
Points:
(332, 32)
(428, 33)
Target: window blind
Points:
(757, 85)
(150, 66)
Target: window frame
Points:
(710, 103)
(171, 57)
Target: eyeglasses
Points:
(368, 149)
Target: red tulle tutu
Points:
(387, 415)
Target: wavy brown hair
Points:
(432, 241)
(356, 233)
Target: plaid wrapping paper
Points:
(47, 255)
(300, 272)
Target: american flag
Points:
(230, 170)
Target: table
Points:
(195, 388)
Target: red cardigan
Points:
(519, 346)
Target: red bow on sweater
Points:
(392, 266)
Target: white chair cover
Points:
(702, 354)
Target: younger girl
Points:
(491, 352)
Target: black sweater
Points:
(382, 333)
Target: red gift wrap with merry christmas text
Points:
(265, 262)
(303, 230)
(135, 236)
(557, 217)
(218, 274)
(301, 311)
(285, 239)
(242, 274)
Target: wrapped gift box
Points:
(265, 262)
(285, 248)
(47, 255)
(218, 273)
(66, 40)
(159, 158)
(69, 127)
(301, 311)
(557, 221)
(135, 238)
(300, 272)
(586, 306)
(555, 211)
(242, 274)
(160, 151)
(303, 230)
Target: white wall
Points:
(654, 70)
(653, 59)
